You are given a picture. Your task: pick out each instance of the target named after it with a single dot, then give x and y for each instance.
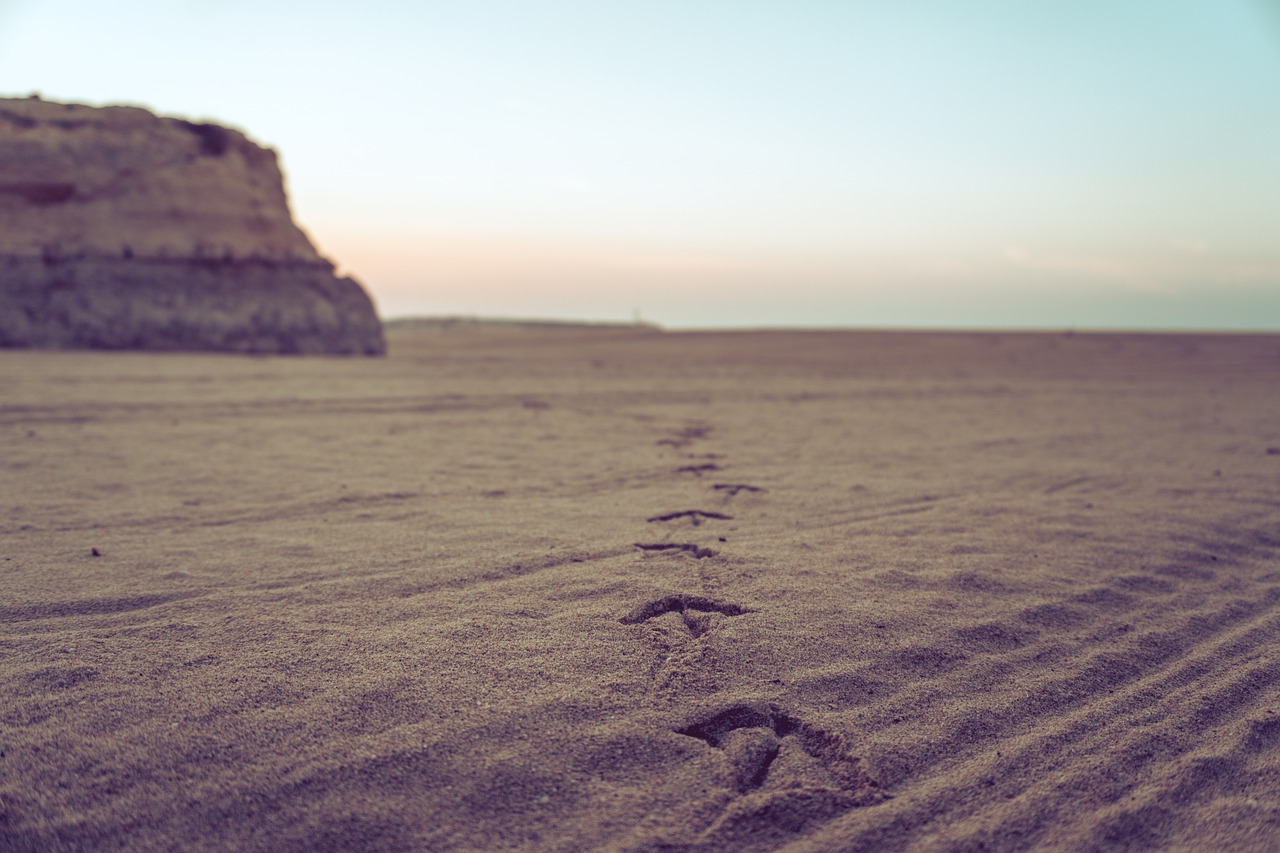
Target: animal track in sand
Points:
(695, 610)
(754, 735)
(695, 516)
(698, 470)
(680, 626)
(749, 738)
(788, 776)
(696, 550)
(732, 489)
(686, 436)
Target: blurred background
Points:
(713, 163)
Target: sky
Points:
(736, 163)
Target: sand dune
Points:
(628, 590)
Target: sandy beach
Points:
(561, 589)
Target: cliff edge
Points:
(120, 229)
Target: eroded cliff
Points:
(123, 229)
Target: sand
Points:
(576, 589)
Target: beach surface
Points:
(555, 589)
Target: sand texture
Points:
(556, 589)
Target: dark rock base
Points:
(192, 305)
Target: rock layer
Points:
(123, 229)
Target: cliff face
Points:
(122, 229)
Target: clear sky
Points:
(991, 163)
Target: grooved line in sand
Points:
(925, 503)
(1118, 727)
(1163, 681)
(89, 607)
(260, 515)
(696, 550)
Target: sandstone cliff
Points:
(122, 229)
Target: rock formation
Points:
(122, 229)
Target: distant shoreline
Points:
(472, 322)
(478, 323)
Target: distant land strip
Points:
(465, 322)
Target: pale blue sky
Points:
(912, 163)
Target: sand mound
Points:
(607, 590)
